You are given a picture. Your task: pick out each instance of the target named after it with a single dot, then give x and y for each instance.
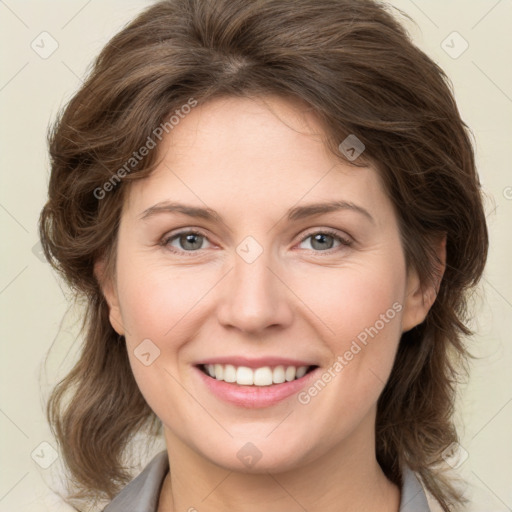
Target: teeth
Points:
(278, 375)
(244, 376)
(229, 373)
(219, 372)
(264, 376)
(290, 373)
(301, 372)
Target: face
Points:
(224, 267)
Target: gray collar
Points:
(413, 498)
(142, 493)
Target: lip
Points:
(256, 362)
(253, 397)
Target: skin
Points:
(251, 160)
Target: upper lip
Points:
(256, 362)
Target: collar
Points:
(142, 493)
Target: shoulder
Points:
(142, 492)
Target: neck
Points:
(344, 479)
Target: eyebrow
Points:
(293, 214)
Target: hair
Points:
(354, 65)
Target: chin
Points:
(256, 455)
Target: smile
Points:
(262, 376)
(254, 383)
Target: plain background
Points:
(33, 304)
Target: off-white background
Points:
(33, 305)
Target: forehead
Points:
(261, 153)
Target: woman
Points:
(273, 212)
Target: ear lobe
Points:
(109, 291)
(421, 296)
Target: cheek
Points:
(155, 316)
(348, 301)
(161, 305)
(157, 301)
(358, 312)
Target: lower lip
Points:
(254, 396)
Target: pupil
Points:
(189, 239)
(321, 238)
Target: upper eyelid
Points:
(329, 231)
(170, 236)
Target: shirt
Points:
(142, 493)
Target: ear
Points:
(421, 296)
(109, 290)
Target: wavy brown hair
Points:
(355, 66)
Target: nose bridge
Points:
(254, 298)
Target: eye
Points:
(190, 241)
(322, 241)
(185, 241)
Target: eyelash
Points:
(345, 242)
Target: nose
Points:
(255, 296)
